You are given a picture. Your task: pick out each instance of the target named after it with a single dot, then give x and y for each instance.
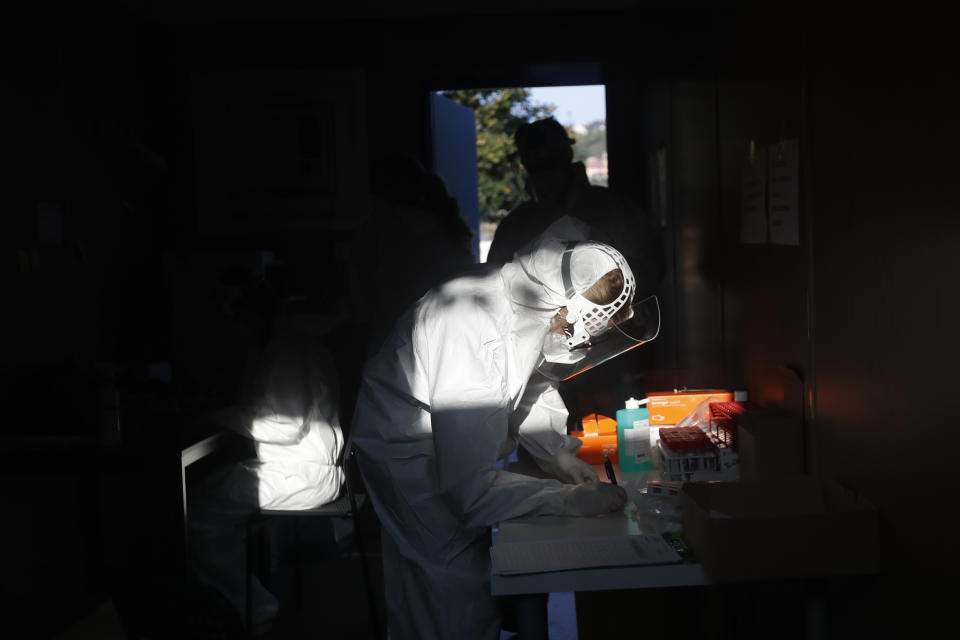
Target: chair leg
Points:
(298, 576)
(367, 580)
(251, 544)
(351, 453)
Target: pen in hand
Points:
(609, 468)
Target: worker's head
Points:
(583, 291)
(604, 291)
(543, 144)
(599, 287)
(597, 321)
(248, 302)
(546, 153)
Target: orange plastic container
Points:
(670, 407)
(599, 437)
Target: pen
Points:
(609, 467)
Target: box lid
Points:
(689, 392)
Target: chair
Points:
(348, 505)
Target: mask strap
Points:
(565, 270)
(569, 290)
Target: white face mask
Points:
(555, 349)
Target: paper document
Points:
(784, 195)
(580, 553)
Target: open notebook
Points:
(581, 553)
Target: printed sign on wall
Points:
(783, 196)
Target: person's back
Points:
(414, 240)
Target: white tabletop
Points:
(681, 574)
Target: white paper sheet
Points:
(784, 192)
(580, 553)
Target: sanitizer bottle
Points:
(633, 438)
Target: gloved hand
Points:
(570, 469)
(593, 499)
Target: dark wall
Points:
(765, 290)
(884, 220)
(85, 214)
(850, 330)
(81, 201)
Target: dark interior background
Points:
(854, 329)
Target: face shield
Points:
(558, 362)
(596, 332)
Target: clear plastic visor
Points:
(640, 328)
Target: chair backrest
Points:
(348, 462)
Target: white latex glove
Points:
(569, 468)
(593, 499)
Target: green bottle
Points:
(633, 438)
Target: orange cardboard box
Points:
(670, 407)
(599, 436)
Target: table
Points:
(683, 574)
(671, 600)
(686, 573)
(528, 589)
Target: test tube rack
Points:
(723, 421)
(688, 453)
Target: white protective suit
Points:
(296, 422)
(446, 397)
(293, 417)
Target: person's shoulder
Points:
(524, 207)
(475, 283)
(518, 215)
(512, 231)
(461, 319)
(612, 196)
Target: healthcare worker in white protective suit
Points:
(448, 395)
(292, 415)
